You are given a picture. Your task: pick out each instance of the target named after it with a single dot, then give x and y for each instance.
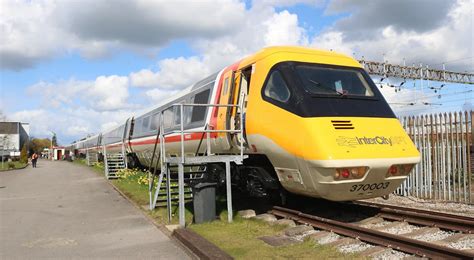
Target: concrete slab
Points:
(375, 251)
(422, 231)
(279, 240)
(344, 241)
(248, 213)
(285, 222)
(266, 217)
(298, 230)
(63, 210)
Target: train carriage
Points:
(314, 124)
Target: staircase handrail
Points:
(181, 131)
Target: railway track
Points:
(422, 217)
(376, 237)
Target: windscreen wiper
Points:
(321, 86)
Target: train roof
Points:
(169, 101)
(265, 52)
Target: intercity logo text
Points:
(374, 140)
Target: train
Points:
(313, 121)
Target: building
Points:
(13, 136)
(58, 152)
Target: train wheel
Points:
(279, 197)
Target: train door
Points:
(223, 138)
(241, 93)
(235, 91)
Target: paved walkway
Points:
(63, 210)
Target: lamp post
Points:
(51, 151)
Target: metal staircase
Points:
(112, 164)
(92, 157)
(188, 168)
(169, 193)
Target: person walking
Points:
(34, 159)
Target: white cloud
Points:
(157, 96)
(174, 73)
(264, 27)
(282, 29)
(77, 130)
(70, 123)
(451, 40)
(34, 31)
(283, 3)
(109, 93)
(27, 34)
(104, 93)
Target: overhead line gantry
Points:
(416, 72)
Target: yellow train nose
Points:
(342, 180)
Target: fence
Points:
(445, 143)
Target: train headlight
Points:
(399, 170)
(350, 173)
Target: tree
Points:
(55, 141)
(37, 145)
(24, 154)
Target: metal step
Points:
(176, 193)
(174, 199)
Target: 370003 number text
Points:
(366, 187)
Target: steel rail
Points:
(441, 220)
(404, 244)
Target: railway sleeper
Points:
(325, 237)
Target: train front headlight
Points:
(350, 173)
(399, 170)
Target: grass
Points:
(11, 165)
(239, 239)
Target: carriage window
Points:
(199, 113)
(155, 122)
(137, 129)
(187, 111)
(226, 86)
(276, 88)
(177, 115)
(146, 124)
(168, 118)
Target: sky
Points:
(80, 67)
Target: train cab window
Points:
(330, 81)
(276, 87)
(199, 113)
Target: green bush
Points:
(23, 155)
(11, 165)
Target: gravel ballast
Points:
(440, 206)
